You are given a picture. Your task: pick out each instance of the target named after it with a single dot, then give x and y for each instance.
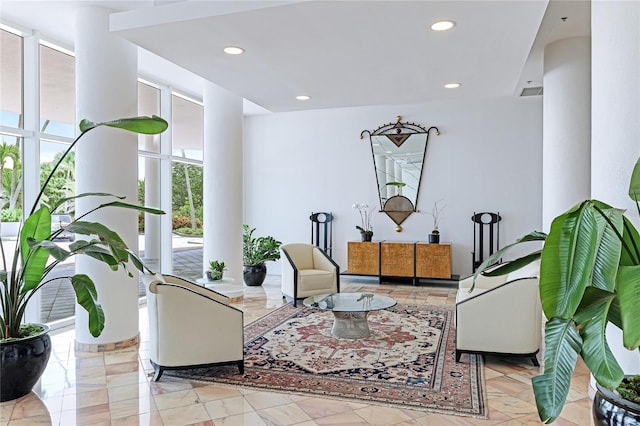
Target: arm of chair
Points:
(190, 328)
(324, 262)
(506, 319)
(482, 282)
(289, 274)
(172, 279)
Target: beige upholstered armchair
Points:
(191, 326)
(307, 271)
(502, 315)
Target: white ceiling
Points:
(341, 53)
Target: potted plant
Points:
(436, 211)
(25, 348)
(216, 268)
(255, 252)
(366, 230)
(589, 277)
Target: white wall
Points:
(487, 158)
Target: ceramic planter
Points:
(254, 275)
(22, 362)
(609, 408)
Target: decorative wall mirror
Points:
(398, 150)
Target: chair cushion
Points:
(315, 279)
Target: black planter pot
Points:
(366, 236)
(609, 408)
(22, 362)
(434, 238)
(254, 275)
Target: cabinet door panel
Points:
(363, 258)
(396, 259)
(433, 260)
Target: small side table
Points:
(225, 286)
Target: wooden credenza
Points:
(399, 259)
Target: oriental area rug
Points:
(407, 362)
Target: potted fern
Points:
(25, 348)
(589, 277)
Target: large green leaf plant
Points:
(589, 276)
(36, 253)
(258, 250)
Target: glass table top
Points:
(349, 302)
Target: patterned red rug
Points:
(407, 362)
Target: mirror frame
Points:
(398, 207)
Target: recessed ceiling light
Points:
(233, 50)
(442, 25)
(452, 85)
(303, 97)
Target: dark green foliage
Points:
(257, 250)
(629, 389)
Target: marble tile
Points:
(248, 419)
(176, 399)
(320, 407)
(86, 415)
(512, 407)
(382, 415)
(148, 419)
(85, 399)
(36, 420)
(28, 406)
(346, 419)
(123, 367)
(120, 356)
(184, 415)
(134, 391)
(284, 415)
(261, 400)
(168, 385)
(227, 407)
(122, 379)
(130, 407)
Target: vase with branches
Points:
(436, 211)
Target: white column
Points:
(566, 146)
(615, 146)
(106, 161)
(31, 145)
(616, 100)
(222, 177)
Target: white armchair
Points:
(307, 271)
(191, 326)
(502, 315)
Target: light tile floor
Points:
(114, 388)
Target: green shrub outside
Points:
(11, 215)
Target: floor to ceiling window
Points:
(11, 120)
(38, 115)
(186, 175)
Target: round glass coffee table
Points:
(350, 311)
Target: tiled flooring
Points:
(114, 388)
